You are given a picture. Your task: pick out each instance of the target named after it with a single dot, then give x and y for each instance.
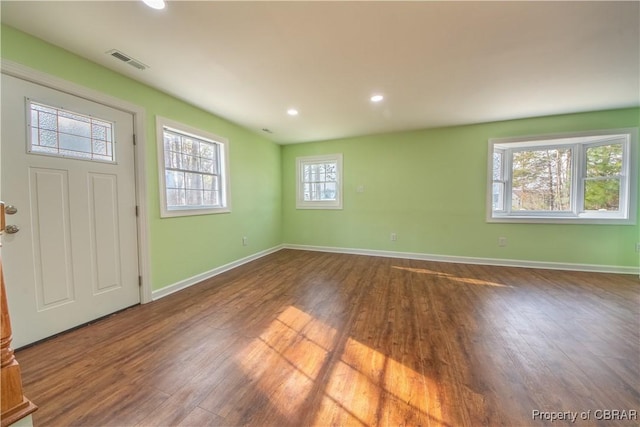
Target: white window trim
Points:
(165, 212)
(318, 204)
(629, 181)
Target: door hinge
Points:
(134, 139)
(137, 211)
(140, 281)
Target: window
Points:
(194, 170)
(319, 182)
(578, 178)
(62, 133)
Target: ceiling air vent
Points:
(126, 58)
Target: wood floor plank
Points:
(199, 418)
(307, 338)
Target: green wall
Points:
(429, 187)
(186, 246)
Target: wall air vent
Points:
(126, 58)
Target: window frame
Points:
(579, 143)
(163, 123)
(318, 204)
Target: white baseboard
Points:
(472, 260)
(168, 290)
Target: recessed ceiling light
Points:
(292, 112)
(377, 98)
(155, 4)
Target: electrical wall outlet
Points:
(502, 242)
(245, 241)
(394, 237)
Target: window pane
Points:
(312, 191)
(604, 160)
(189, 163)
(209, 198)
(172, 142)
(497, 165)
(43, 108)
(207, 151)
(329, 192)
(215, 198)
(602, 195)
(330, 171)
(193, 181)
(541, 180)
(74, 127)
(210, 182)
(47, 121)
(207, 166)
(307, 192)
(174, 179)
(72, 116)
(316, 190)
(174, 160)
(175, 197)
(191, 147)
(194, 197)
(75, 143)
(99, 131)
(498, 196)
(313, 173)
(47, 138)
(99, 147)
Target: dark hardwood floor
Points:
(302, 338)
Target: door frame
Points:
(23, 72)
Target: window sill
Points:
(325, 207)
(173, 213)
(530, 219)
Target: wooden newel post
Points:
(13, 405)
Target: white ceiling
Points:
(437, 63)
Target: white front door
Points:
(68, 169)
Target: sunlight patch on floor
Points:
(451, 277)
(368, 387)
(285, 359)
(363, 387)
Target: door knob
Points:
(11, 229)
(10, 210)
